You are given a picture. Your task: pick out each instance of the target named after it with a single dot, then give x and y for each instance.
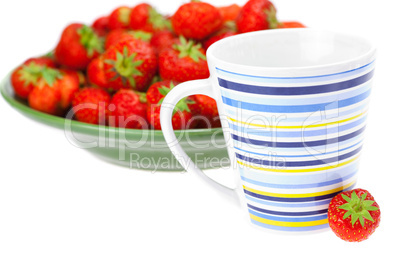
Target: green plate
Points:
(139, 149)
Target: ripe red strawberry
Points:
(217, 37)
(54, 91)
(181, 119)
(145, 17)
(78, 76)
(162, 39)
(158, 91)
(101, 25)
(183, 115)
(229, 13)
(183, 62)
(78, 45)
(196, 20)
(128, 109)
(96, 73)
(69, 84)
(46, 98)
(113, 37)
(119, 35)
(43, 61)
(257, 15)
(353, 215)
(46, 95)
(90, 105)
(141, 35)
(290, 24)
(28, 75)
(207, 111)
(130, 64)
(120, 18)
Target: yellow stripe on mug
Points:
(297, 170)
(296, 127)
(288, 224)
(300, 195)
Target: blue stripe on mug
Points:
(299, 186)
(287, 219)
(290, 214)
(305, 178)
(290, 118)
(298, 163)
(294, 156)
(299, 150)
(285, 100)
(303, 90)
(296, 134)
(298, 144)
(300, 199)
(296, 108)
(315, 78)
(287, 204)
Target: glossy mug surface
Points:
(293, 105)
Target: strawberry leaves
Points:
(142, 96)
(158, 21)
(125, 66)
(51, 75)
(32, 73)
(142, 35)
(189, 49)
(124, 15)
(358, 208)
(164, 90)
(271, 17)
(182, 105)
(90, 40)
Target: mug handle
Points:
(203, 87)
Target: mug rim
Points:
(318, 69)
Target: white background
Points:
(61, 207)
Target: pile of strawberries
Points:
(117, 71)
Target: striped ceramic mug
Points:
(293, 106)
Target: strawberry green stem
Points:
(143, 97)
(182, 105)
(271, 18)
(187, 48)
(32, 72)
(90, 40)
(141, 35)
(358, 208)
(124, 15)
(125, 66)
(158, 21)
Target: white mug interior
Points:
(289, 52)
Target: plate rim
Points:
(6, 90)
